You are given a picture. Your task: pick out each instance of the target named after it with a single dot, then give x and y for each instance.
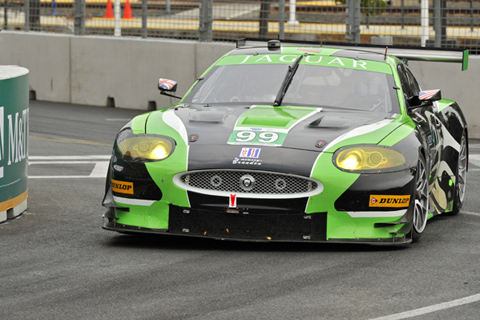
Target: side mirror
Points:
(425, 96)
(166, 85)
(430, 95)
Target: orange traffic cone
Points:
(127, 13)
(109, 10)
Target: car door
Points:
(426, 117)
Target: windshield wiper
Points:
(286, 82)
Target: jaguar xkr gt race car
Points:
(282, 141)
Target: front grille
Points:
(250, 182)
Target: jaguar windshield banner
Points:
(13, 136)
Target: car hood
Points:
(305, 128)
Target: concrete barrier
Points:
(123, 72)
(13, 141)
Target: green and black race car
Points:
(280, 141)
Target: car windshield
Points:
(311, 86)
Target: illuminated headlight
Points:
(368, 159)
(145, 146)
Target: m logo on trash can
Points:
(13, 138)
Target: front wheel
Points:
(420, 211)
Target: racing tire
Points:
(460, 177)
(420, 210)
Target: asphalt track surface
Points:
(57, 263)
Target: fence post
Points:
(437, 24)
(263, 19)
(353, 21)
(281, 19)
(144, 19)
(79, 17)
(117, 16)
(424, 21)
(206, 21)
(292, 20)
(26, 10)
(5, 14)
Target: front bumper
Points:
(252, 227)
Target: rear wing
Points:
(404, 53)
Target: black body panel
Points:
(259, 226)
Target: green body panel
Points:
(152, 217)
(156, 215)
(341, 226)
(283, 117)
(444, 103)
(272, 121)
(465, 60)
(138, 123)
(175, 163)
(372, 137)
(338, 181)
(399, 133)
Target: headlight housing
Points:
(144, 147)
(368, 159)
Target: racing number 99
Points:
(263, 137)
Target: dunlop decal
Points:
(122, 186)
(389, 201)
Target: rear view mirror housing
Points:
(166, 86)
(425, 96)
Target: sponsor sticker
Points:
(122, 186)
(253, 153)
(248, 156)
(389, 201)
(233, 201)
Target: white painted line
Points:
(474, 159)
(64, 162)
(91, 157)
(64, 177)
(99, 170)
(118, 119)
(430, 309)
(470, 213)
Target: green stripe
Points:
(310, 59)
(268, 125)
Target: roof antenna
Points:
(386, 49)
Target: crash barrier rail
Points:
(13, 141)
(437, 23)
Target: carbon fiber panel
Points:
(263, 226)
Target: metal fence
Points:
(440, 23)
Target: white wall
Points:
(461, 86)
(88, 70)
